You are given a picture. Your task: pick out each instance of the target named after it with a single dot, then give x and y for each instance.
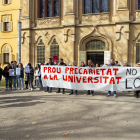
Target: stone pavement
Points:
(37, 115)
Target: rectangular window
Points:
(95, 6)
(6, 58)
(138, 4)
(48, 8)
(6, 25)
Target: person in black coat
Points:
(30, 77)
(61, 64)
(1, 72)
(90, 65)
(82, 64)
(49, 89)
(7, 77)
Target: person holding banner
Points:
(31, 76)
(20, 75)
(90, 65)
(49, 89)
(112, 64)
(37, 75)
(138, 91)
(73, 64)
(61, 64)
(7, 77)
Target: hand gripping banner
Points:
(101, 79)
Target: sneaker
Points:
(14, 88)
(22, 89)
(31, 89)
(58, 92)
(38, 88)
(63, 92)
(71, 94)
(115, 96)
(49, 91)
(108, 95)
(46, 91)
(6, 89)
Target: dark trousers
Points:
(59, 89)
(137, 93)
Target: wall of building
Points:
(9, 38)
(119, 29)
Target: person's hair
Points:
(98, 64)
(112, 59)
(20, 64)
(38, 66)
(116, 62)
(42, 63)
(50, 59)
(8, 63)
(82, 62)
(90, 60)
(61, 59)
(29, 64)
(11, 62)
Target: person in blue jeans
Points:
(37, 75)
(49, 89)
(20, 77)
(112, 64)
(7, 77)
(73, 64)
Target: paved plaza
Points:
(37, 115)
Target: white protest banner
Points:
(27, 69)
(11, 72)
(18, 71)
(102, 79)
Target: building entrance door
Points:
(96, 57)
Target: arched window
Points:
(95, 6)
(48, 8)
(95, 45)
(54, 49)
(138, 51)
(40, 52)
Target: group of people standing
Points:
(18, 81)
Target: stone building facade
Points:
(78, 30)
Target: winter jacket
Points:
(49, 64)
(37, 73)
(1, 72)
(21, 72)
(62, 64)
(5, 72)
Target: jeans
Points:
(88, 92)
(14, 80)
(72, 91)
(48, 88)
(109, 92)
(38, 82)
(17, 80)
(20, 82)
(6, 80)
